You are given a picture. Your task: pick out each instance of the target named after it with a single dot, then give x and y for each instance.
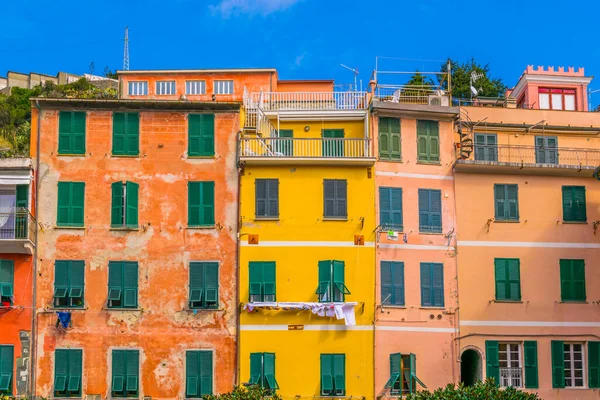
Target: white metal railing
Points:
(511, 377)
(304, 148)
(412, 95)
(302, 101)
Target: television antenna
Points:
(126, 50)
(355, 71)
(474, 77)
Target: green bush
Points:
(480, 391)
(246, 393)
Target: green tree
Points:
(108, 73)
(461, 75)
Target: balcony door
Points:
(8, 203)
(546, 150)
(333, 143)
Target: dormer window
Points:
(557, 99)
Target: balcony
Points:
(310, 101)
(535, 160)
(511, 377)
(276, 150)
(17, 231)
(403, 94)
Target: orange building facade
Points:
(527, 208)
(139, 231)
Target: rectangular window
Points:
(486, 147)
(504, 363)
(22, 213)
(201, 203)
(574, 365)
(432, 285)
(71, 196)
(574, 207)
(392, 283)
(285, 144)
(67, 373)
(195, 87)
(333, 143)
(204, 285)
(546, 150)
(506, 202)
(139, 88)
(403, 374)
(201, 135)
(7, 282)
(165, 87)
(511, 373)
(572, 280)
(430, 210)
(508, 279)
(332, 287)
(71, 132)
(69, 283)
(262, 370)
(198, 373)
(335, 196)
(223, 87)
(428, 142)
(333, 374)
(557, 99)
(267, 198)
(6, 369)
(126, 134)
(124, 209)
(262, 281)
(125, 373)
(390, 208)
(122, 284)
(389, 139)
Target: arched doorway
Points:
(470, 367)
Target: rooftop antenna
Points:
(475, 76)
(355, 71)
(126, 50)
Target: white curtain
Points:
(7, 214)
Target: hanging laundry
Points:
(64, 319)
(343, 311)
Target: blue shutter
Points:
(426, 289)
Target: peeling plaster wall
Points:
(163, 247)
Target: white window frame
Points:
(571, 362)
(509, 361)
(196, 87)
(223, 86)
(137, 88)
(166, 88)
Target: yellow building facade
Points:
(306, 256)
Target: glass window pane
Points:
(570, 102)
(544, 101)
(557, 101)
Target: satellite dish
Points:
(474, 91)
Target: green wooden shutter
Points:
(502, 286)
(196, 284)
(269, 371)
(61, 371)
(260, 188)
(339, 285)
(435, 210)
(211, 284)
(6, 369)
(499, 201)
(387, 293)
(61, 279)
(273, 197)
(207, 146)
(118, 137)
(492, 362)
(115, 281)
(395, 143)
(76, 282)
(65, 129)
(568, 209)
(424, 210)
(396, 208)
(118, 372)
(22, 218)
(206, 373)
(566, 289)
(64, 203)
(433, 129)
(132, 134)
(398, 283)
(512, 196)
(77, 203)
(578, 280)
(256, 369)
(326, 374)
(395, 370)
(384, 138)
(7, 278)
(514, 278)
(339, 373)
(194, 203)
(385, 207)
(194, 135)
(329, 198)
(132, 371)
(426, 289)
(558, 364)
(325, 284)
(594, 364)
(78, 133)
(579, 203)
(422, 141)
(130, 284)
(192, 374)
(116, 215)
(269, 281)
(75, 370)
(131, 194)
(201, 135)
(341, 196)
(22, 196)
(255, 290)
(531, 364)
(437, 284)
(208, 203)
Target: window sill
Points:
(124, 228)
(508, 301)
(67, 308)
(573, 302)
(200, 227)
(394, 306)
(430, 233)
(212, 157)
(122, 308)
(69, 227)
(392, 161)
(335, 219)
(266, 218)
(71, 155)
(575, 222)
(203, 309)
(124, 156)
(432, 308)
(506, 221)
(429, 162)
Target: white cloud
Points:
(226, 8)
(299, 59)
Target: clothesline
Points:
(343, 311)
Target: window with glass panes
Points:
(195, 87)
(556, 99)
(331, 286)
(574, 365)
(69, 283)
(223, 87)
(165, 87)
(511, 373)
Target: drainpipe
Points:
(32, 362)
(237, 265)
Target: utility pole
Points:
(126, 50)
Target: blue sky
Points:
(303, 39)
